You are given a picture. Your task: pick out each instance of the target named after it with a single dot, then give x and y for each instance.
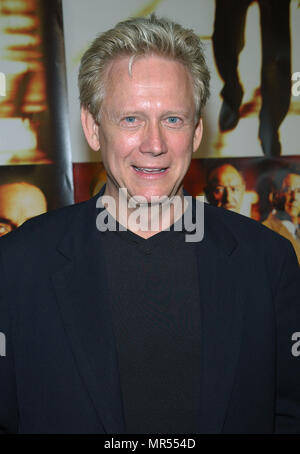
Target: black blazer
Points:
(60, 372)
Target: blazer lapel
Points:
(82, 295)
(221, 317)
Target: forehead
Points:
(19, 200)
(292, 179)
(152, 79)
(227, 175)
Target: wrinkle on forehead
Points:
(226, 174)
(152, 79)
(130, 63)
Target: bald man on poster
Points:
(19, 201)
(225, 187)
(143, 330)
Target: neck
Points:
(144, 219)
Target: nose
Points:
(292, 195)
(228, 196)
(225, 196)
(153, 141)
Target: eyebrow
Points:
(129, 113)
(174, 112)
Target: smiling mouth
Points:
(150, 170)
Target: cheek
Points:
(122, 145)
(181, 145)
(298, 205)
(287, 199)
(130, 143)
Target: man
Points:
(225, 187)
(135, 330)
(19, 202)
(284, 219)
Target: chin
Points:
(148, 198)
(148, 194)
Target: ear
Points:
(197, 135)
(90, 129)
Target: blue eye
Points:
(173, 120)
(130, 119)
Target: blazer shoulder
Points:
(251, 235)
(45, 228)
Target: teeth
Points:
(144, 169)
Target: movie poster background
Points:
(257, 40)
(34, 131)
(38, 131)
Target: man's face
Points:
(147, 131)
(227, 188)
(19, 202)
(291, 190)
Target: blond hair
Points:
(141, 37)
